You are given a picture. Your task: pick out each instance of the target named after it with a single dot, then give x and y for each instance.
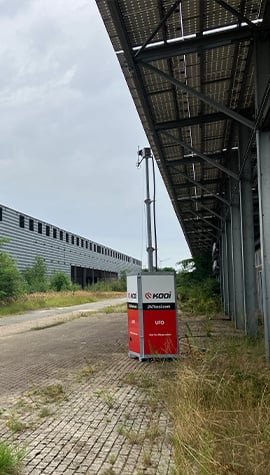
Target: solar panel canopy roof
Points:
(190, 70)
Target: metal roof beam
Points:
(230, 113)
(161, 23)
(199, 185)
(208, 209)
(204, 157)
(194, 45)
(181, 186)
(205, 197)
(202, 231)
(204, 220)
(189, 159)
(189, 121)
(240, 16)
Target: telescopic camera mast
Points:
(145, 153)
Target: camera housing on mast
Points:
(145, 152)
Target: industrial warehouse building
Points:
(82, 260)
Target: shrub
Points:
(10, 279)
(35, 276)
(197, 290)
(114, 285)
(60, 281)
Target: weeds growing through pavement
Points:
(48, 394)
(85, 373)
(138, 437)
(14, 423)
(112, 459)
(108, 471)
(147, 460)
(45, 412)
(10, 459)
(107, 397)
(140, 379)
(132, 436)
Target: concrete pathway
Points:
(44, 317)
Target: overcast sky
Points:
(70, 131)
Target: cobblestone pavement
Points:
(70, 395)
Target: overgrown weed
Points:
(107, 397)
(48, 394)
(11, 458)
(220, 405)
(15, 424)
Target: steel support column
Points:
(248, 246)
(230, 268)
(262, 74)
(237, 252)
(224, 270)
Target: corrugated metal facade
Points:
(83, 260)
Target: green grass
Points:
(219, 403)
(10, 459)
(199, 297)
(54, 299)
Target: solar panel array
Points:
(189, 67)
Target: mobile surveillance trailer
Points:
(152, 318)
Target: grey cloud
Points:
(13, 7)
(69, 130)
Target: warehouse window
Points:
(67, 237)
(95, 248)
(47, 230)
(40, 228)
(31, 224)
(54, 233)
(21, 221)
(86, 244)
(72, 239)
(1, 213)
(77, 241)
(61, 235)
(99, 249)
(82, 242)
(90, 246)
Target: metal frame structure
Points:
(199, 75)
